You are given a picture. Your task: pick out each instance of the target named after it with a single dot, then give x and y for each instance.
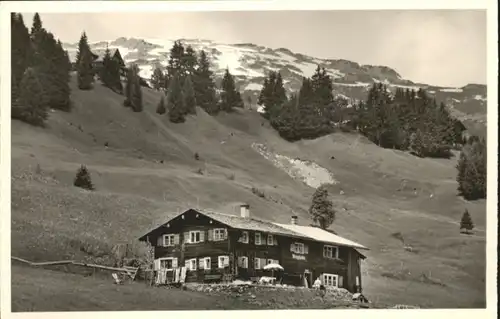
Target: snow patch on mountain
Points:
(480, 98)
(452, 90)
(308, 172)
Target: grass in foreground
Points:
(384, 192)
(35, 289)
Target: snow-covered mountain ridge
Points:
(250, 63)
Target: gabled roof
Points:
(100, 55)
(321, 235)
(254, 224)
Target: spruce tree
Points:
(188, 96)
(321, 209)
(83, 179)
(466, 222)
(160, 109)
(204, 86)
(106, 70)
(36, 28)
(136, 90)
(157, 79)
(229, 96)
(322, 86)
(129, 87)
(30, 107)
(175, 61)
(189, 61)
(21, 52)
(115, 71)
(471, 168)
(84, 64)
(175, 103)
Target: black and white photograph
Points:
(248, 159)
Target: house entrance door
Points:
(308, 278)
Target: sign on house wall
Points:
(298, 257)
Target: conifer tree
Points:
(21, 52)
(129, 87)
(471, 168)
(189, 61)
(204, 85)
(175, 61)
(106, 70)
(322, 86)
(321, 209)
(229, 96)
(306, 93)
(466, 222)
(84, 64)
(30, 106)
(36, 28)
(115, 71)
(136, 90)
(273, 94)
(161, 106)
(175, 103)
(83, 179)
(157, 79)
(188, 96)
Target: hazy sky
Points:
(446, 47)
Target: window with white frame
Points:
(191, 264)
(204, 263)
(219, 234)
(243, 237)
(258, 263)
(258, 239)
(168, 263)
(298, 248)
(270, 239)
(223, 261)
(243, 262)
(330, 251)
(272, 261)
(169, 240)
(194, 236)
(330, 280)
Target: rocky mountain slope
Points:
(250, 63)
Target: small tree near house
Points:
(321, 209)
(161, 106)
(466, 223)
(83, 179)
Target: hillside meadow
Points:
(144, 169)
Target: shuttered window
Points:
(168, 263)
(330, 251)
(243, 262)
(299, 248)
(219, 234)
(258, 239)
(257, 263)
(223, 261)
(244, 237)
(204, 263)
(191, 264)
(270, 240)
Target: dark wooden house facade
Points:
(98, 60)
(215, 246)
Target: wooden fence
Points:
(72, 266)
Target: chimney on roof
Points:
(293, 220)
(245, 210)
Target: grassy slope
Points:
(50, 218)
